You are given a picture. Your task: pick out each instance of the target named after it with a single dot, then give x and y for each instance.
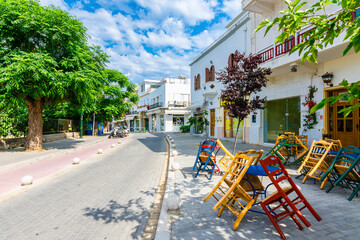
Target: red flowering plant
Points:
(310, 118)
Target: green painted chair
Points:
(345, 170)
(279, 150)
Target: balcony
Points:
(156, 105)
(279, 49)
(178, 104)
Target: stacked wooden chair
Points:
(299, 150)
(316, 162)
(284, 202)
(280, 149)
(205, 159)
(345, 170)
(230, 194)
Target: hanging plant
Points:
(310, 118)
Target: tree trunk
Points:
(34, 137)
(236, 136)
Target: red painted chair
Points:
(282, 197)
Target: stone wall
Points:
(8, 143)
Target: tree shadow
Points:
(120, 213)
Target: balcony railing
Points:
(178, 103)
(301, 36)
(156, 105)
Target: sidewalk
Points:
(45, 164)
(197, 220)
(18, 155)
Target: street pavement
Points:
(108, 196)
(197, 220)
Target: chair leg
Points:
(324, 182)
(305, 177)
(294, 218)
(354, 193)
(312, 210)
(242, 214)
(282, 235)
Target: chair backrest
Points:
(205, 150)
(336, 144)
(316, 155)
(253, 153)
(225, 160)
(348, 157)
(303, 139)
(275, 176)
(235, 173)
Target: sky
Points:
(152, 39)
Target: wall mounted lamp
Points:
(327, 77)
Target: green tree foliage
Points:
(117, 96)
(325, 29)
(44, 60)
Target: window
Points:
(178, 120)
(207, 75)
(143, 88)
(197, 82)
(231, 62)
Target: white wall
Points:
(237, 39)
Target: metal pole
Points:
(81, 123)
(93, 132)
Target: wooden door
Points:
(212, 122)
(344, 129)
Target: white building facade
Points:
(162, 105)
(290, 81)
(206, 90)
(288, 84)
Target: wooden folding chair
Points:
(225, 161)
(299, 150)
(316, 161)
(230, 194)
(286, 198)
(279, 149)
(204, 159)
(345, 170)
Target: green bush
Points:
(185, 128)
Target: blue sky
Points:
(152, 39)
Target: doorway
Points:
(339, 127)
(212, 122)
(281, 116)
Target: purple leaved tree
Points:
(243, 78)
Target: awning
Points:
(131, 117)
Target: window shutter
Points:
(207, 75)
(198, 81)
(212, 73)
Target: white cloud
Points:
(232, 7)
(152, 41)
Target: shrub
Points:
(185, 128)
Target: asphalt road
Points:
(108, 197)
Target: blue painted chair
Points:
(345, 170)
(204, 160)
